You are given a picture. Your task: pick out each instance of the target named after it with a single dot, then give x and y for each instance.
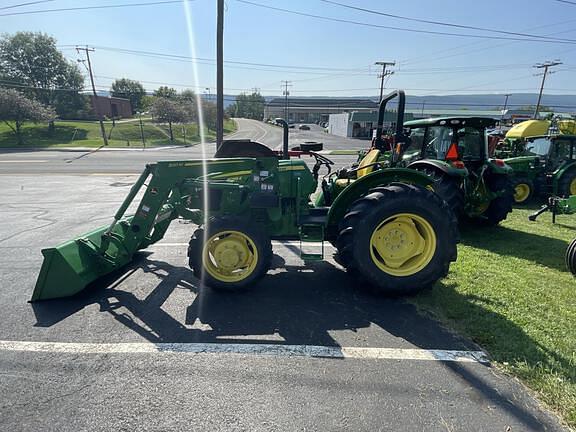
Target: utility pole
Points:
(545, 66)
(220, 75)
(96, 109)
(286, 93)
(383, 75)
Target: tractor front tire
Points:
(523, 190)
(499, 207)
(567, 183)
(229, 254)
(398, 239)
(571, 257)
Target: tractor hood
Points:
(529, 128)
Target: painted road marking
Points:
(23, 161)
(256, 349)
(274, 243)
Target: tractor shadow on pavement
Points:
(542, 250)
(314, 305)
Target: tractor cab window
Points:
(416, 139)
(438, 141)
(538, 147)
(561, 149)
(470, 143)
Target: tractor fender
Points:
(559, 173)
(442, 166)
(360, 187)
(522, 164)
(499, 166)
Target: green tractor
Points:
(544, 165)
(390, 230)
(454, 151)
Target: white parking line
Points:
(24, 161)
(327, 245)
(255, 349)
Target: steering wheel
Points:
(321, 160)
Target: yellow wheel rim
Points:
(573, 186)
(230, 256)
(403, 244)
(521, 192)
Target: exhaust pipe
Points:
(284, 139)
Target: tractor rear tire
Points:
(230, 254)
(571, 257)
(523, 190)
(499, 207)
(389, 220)
(567, 183)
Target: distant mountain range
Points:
(560, 103)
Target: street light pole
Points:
(220, 75)
(504, 109)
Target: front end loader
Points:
(391, 232)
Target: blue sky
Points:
(325, 58)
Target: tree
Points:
(15, 109)
(129, 89)
(210, 114)
(189, 101)
(31, 63)
(248, 106)
(169, 111)
(166, 92)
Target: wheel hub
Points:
(230, 256)
(521, 192)
(398, 241)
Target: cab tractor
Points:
(454, 151)
(391, 231)
(542, 154)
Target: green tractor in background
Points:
(390, 230)
(543, 166)
(454, 151)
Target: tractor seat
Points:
(365, 167)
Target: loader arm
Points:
(70, 267)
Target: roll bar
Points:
(399, 134)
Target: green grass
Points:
(511, 293)
(87, 134)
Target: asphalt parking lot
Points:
(150, 348)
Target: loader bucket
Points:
(70, 267)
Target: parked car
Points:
(304, 127)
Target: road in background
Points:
(132, 161)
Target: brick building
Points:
(111, 107)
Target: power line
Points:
(440, 23)
(205, 59)
(404, 29)
(567, 2)
(26, 4)
(121, 5)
